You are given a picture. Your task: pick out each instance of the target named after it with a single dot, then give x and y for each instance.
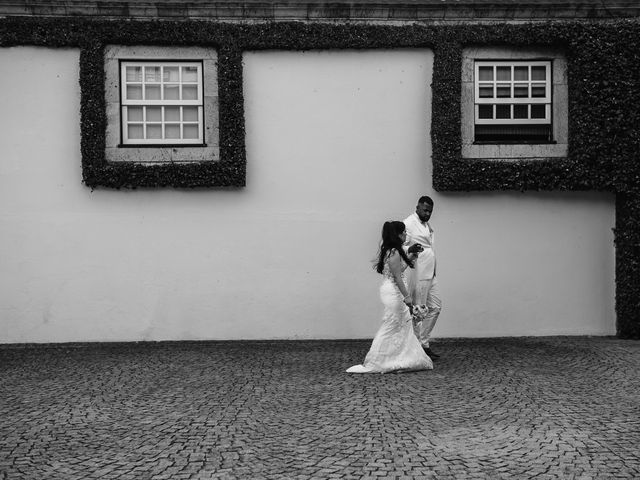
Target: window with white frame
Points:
(162, 102)
(513, 101)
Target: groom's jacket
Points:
(422, 233)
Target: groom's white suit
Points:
(421, 280)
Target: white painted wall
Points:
(337, 143)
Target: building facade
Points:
(190, 171)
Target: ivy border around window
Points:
(229, 171)
(603, 144)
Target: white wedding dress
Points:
(395, 347)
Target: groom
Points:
(422, 282)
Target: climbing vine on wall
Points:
(603, 79)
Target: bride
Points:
(395, 346)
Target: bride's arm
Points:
(395, 266)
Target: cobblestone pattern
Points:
(544, 408)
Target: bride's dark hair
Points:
(391, 239)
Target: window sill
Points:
(162, 145)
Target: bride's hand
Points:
(408, 302)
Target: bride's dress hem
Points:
(363, 369)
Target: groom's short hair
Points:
(425, 199)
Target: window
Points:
(162, 103)
(512, 101)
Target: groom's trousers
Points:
(427, 293)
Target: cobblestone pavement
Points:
(544, 408)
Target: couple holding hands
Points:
(409, 293)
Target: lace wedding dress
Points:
(395, 346)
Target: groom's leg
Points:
(434, 304)
(420, 296)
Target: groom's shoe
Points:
(433, 355)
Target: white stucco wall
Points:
(337, 143)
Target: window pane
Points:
(503, 90)
(154, 132)
(190, 114)
(485, 74)
(172, 92)
(503, 73)
(485, 111)
(135, 131)
(521, 73)
(134, 92)
(172, 114)
(134, 74)
(538, 73)
(538, 111)
(189, 74)
(171, 74)
(521, 111)
(189, 92)
(134, 114)
(538, 91)
(503, 111)
(191, 131)
(154, 114)
(172, 130)
(152, 92)
(152, 74)
(486, 92)
(521, 90)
